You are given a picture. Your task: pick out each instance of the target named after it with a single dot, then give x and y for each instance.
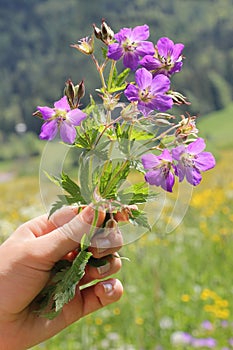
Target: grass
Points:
(175, 284)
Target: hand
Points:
(26, 260)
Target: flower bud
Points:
(178, 98)
(107, 32)
(97, 32)
(69, 90)
(104, 34)
(80, 90)
(163, 122)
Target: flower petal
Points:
(165, 47)
(143, 78)
(177, 50)
(75, 116)
(166, 155)
(168, 182)
(62, 104)
(163, 103)
(122, 35)
(160, 84)
(49, 130)
(115, 51)
(205, 161)
(193, 176)
(131, 60)
(150, 63)
(177, 152)
(140, 33)
(196, 146)
(46, 112)
(67, 132)
(153, 177)
(150, 160)
(131, 92)
(145, 48)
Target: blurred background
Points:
(183, 281)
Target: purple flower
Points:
(131, 46)
(191, 161)
(207, 325)
(60, 117)
(204, 342)
(160, 170)
(150, 93)
(167, 59)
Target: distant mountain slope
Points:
(217, 128)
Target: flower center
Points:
(129, 46)
(145, 95)
(60, 115)
(188, 160)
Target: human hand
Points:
(26, 260)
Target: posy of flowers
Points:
(129, 130)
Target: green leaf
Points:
(70, 186)
(118, 80)
(136, 194)
(111, 177)
(138, 217)
(63, 286)
(65, 289)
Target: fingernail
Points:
(108, 287)
(88, 215)
(103, 244)
(104, 268)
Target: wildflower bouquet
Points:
(129, 131)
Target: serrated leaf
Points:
(65, 289)
(139, 218)
(111, 178)
(136, 194)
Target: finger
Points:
(111, 266)
(66, 238)
(41, 225)
(106, 242)
(86, 301)
(94, 298)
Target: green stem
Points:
(124, 165)
(113, 64)
(100, 70)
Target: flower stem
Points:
(113, 64)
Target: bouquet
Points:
(123, 133)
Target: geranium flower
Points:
(160, 170)
(150, 93)
(167, 59)
(131, 46)
(192, 161)
(60, 117)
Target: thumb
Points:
(67, 237)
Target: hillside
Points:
(217, 128)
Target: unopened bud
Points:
(107, 32)
(80, 90)
(163, 122)
(69, 90)
(97, 32)
(178, 98)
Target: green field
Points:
(178, 285)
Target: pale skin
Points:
(26, 259)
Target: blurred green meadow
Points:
(179, 284)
